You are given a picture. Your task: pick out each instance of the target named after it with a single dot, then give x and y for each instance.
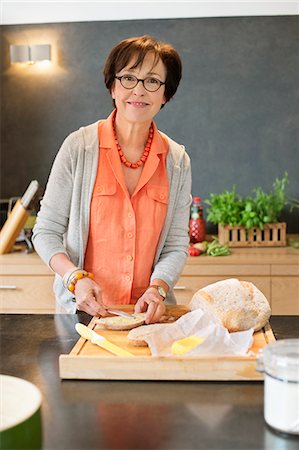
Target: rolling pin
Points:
(17, 218)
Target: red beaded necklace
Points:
(145, 153)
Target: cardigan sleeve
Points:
(174, 252)
(53, 216)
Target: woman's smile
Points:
(137, 104)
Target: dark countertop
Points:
(134, 414)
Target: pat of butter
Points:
(185, 345)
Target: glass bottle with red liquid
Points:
(197, 223)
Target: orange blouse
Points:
(124, 231)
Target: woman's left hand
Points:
(153, 304)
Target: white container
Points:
(280, 363)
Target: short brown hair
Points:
(138, 47)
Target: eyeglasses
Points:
(149, 83)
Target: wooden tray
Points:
(89, 362)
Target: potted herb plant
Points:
(250, 221)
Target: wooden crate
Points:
(87, 361)
(273, 235)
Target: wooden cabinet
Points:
(33, 281)
(275, 271)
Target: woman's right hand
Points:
(89, 297)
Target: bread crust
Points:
(136, 336)
(239, 305)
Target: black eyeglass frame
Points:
(142, 81)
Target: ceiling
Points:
(25, 12)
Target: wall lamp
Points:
(30, 54)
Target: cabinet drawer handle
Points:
(6, 286)
(181, 288)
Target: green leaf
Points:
(260, 208)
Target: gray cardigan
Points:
(63, 220)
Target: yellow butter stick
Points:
(185, 345)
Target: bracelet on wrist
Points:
(78, 275)
(68, 274)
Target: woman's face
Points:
(138, 104)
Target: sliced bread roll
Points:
(239, 305)
(121, 323)
(136, 337)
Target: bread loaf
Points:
(239, 305)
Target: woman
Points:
(113, 223)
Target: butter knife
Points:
(117, 312)
(101, 341)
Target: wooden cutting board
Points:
(87, 361)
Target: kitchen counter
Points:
(129, 414)
(273, 270)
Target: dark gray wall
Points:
(236, 109)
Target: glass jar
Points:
(280, 363)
